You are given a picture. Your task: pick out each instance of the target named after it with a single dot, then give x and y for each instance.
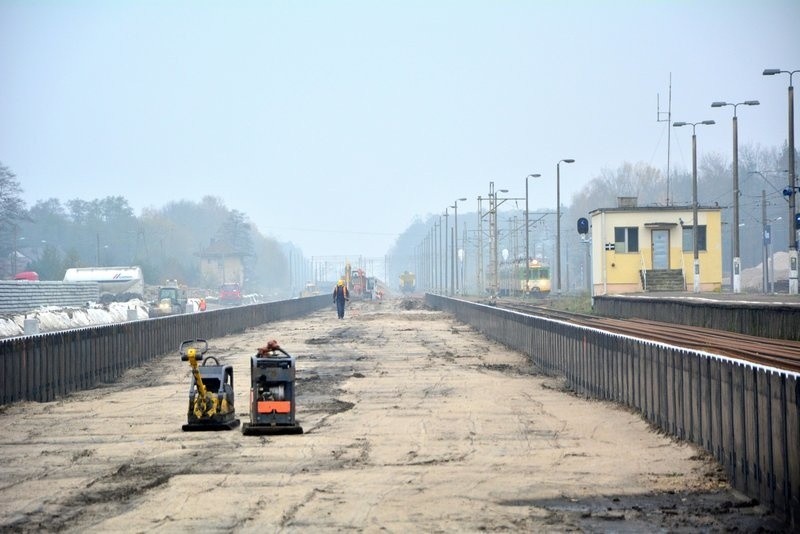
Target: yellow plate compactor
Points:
(211, 392)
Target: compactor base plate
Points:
(270, 430)
(202, 427)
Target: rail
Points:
(779, 353)
(46, 366)
(746, 415)
(777, 320)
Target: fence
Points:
(46, 366)
(744, 414)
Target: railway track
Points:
(778, 353)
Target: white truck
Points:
(113, 281)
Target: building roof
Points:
(654, 209)
(219, 249)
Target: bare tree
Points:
(12, 212)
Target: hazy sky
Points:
(334, 124)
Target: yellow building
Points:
(638, 249)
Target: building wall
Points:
(614, 271)
(221, 270)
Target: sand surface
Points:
(413, 422)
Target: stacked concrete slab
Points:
(21, 296)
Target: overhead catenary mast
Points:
(668, 120)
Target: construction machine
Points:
(408, 282)
(211, 399)
(272, 405)
(172, 300)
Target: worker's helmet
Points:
(340, 283)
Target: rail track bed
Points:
(778, 353)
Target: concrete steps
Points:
(663, 280)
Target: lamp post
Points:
(429, 259)
(558, 222)
(434, 276)
(454, 269)
(439, 256)
(793, 287)
(737, 262)
(527, 240)
(696, 255)
(446, 255)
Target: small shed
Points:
(651, 248)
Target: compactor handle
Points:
(271, 348)
(199, 346)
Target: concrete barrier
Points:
(30, 326)
(747, 416)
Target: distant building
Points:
(221, 263)
(638, 249)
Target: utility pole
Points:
(668, 120)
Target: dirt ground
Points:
(413, 422)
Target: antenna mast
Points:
(668, 120)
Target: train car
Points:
(513, 277)
(539, 279)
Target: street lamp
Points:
(429, 257)
(446, 255)
(527, 241)
(737, 263)
(793, 287)
(558, 222)
(454, 269)
(439, 256)
(696, 263)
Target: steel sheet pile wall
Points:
(46, 366)
(774, 320)
(745, 415)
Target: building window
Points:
(688, 245)
(626, 239)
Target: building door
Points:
(660, 249)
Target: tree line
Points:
(167, 242)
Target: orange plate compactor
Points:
(272, 406)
